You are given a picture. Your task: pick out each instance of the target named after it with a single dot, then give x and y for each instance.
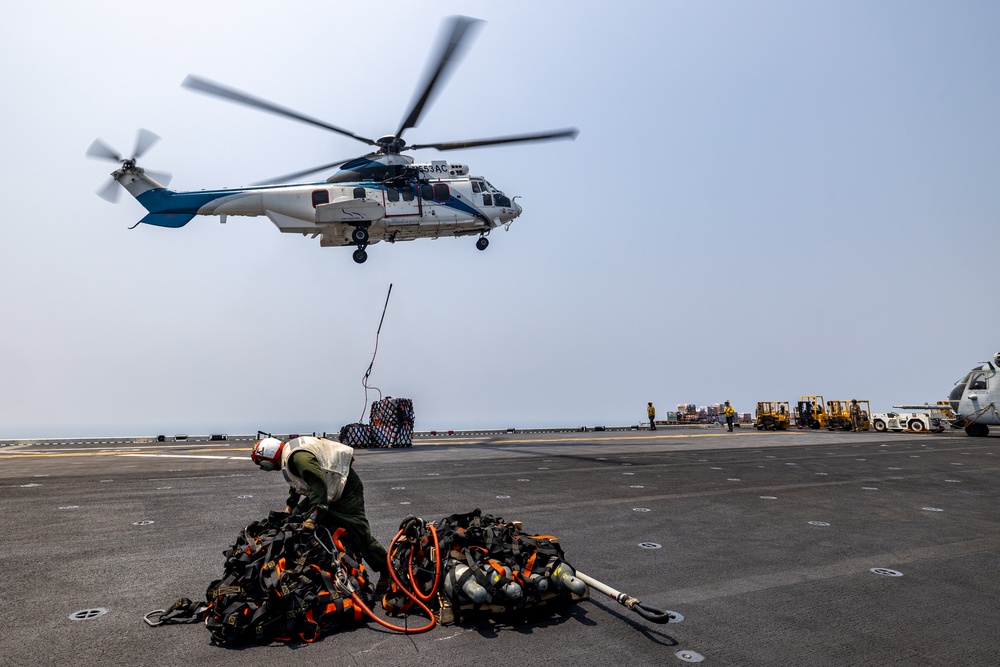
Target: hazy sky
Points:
(766, 199)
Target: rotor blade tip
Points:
(99, 149)
(109, 192)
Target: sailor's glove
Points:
(309, 525)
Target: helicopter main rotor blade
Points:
(205, 86)
(450, 48)
(569, 133)
(304, 172)
(99, 149)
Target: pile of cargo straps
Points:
(281, 583)
(468, 565)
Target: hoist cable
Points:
(364, 381)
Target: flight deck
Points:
(777, 548)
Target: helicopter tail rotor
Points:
(110, 191)
(144, 140)
(99, 149)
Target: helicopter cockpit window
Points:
(441, 192)
(477, 187)
(501, 200)
(320, 197)
(359, 193)
(977, 381)
(407, 192)
(487, 200)
(427, 192)
(391, 193)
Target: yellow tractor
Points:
(839, 415)
(811, 412)
(772, 416)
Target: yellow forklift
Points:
(839, 415)
(772, 416)
(810, 412)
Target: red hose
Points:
(437, 570)
(390, 626)
(415, 595)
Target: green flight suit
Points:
(348, 511)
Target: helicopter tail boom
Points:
(153, 196)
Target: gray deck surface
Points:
(767, 542)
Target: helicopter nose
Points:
(517, 208)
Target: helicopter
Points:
(972, 402)
(974, 398)
(384, 195)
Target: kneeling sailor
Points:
(324, 488)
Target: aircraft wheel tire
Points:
(879, 426)
(482, 243)
(916, 425)
(359, 235)
(360, 256)
(977, 430)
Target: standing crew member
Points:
(651, 413)
(855, 413)
(324, 488)
(728, 412)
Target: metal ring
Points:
(158, 612)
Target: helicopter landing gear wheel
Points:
(977, 430)
(360, 235)
(482, 243)
(360, 256)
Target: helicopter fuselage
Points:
(426, 201)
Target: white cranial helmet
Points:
(267, 451)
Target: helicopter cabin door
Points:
(401, 200)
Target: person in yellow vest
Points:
(729, 412)
(324, 489)
(651, 413)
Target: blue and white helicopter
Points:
(382, 196)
